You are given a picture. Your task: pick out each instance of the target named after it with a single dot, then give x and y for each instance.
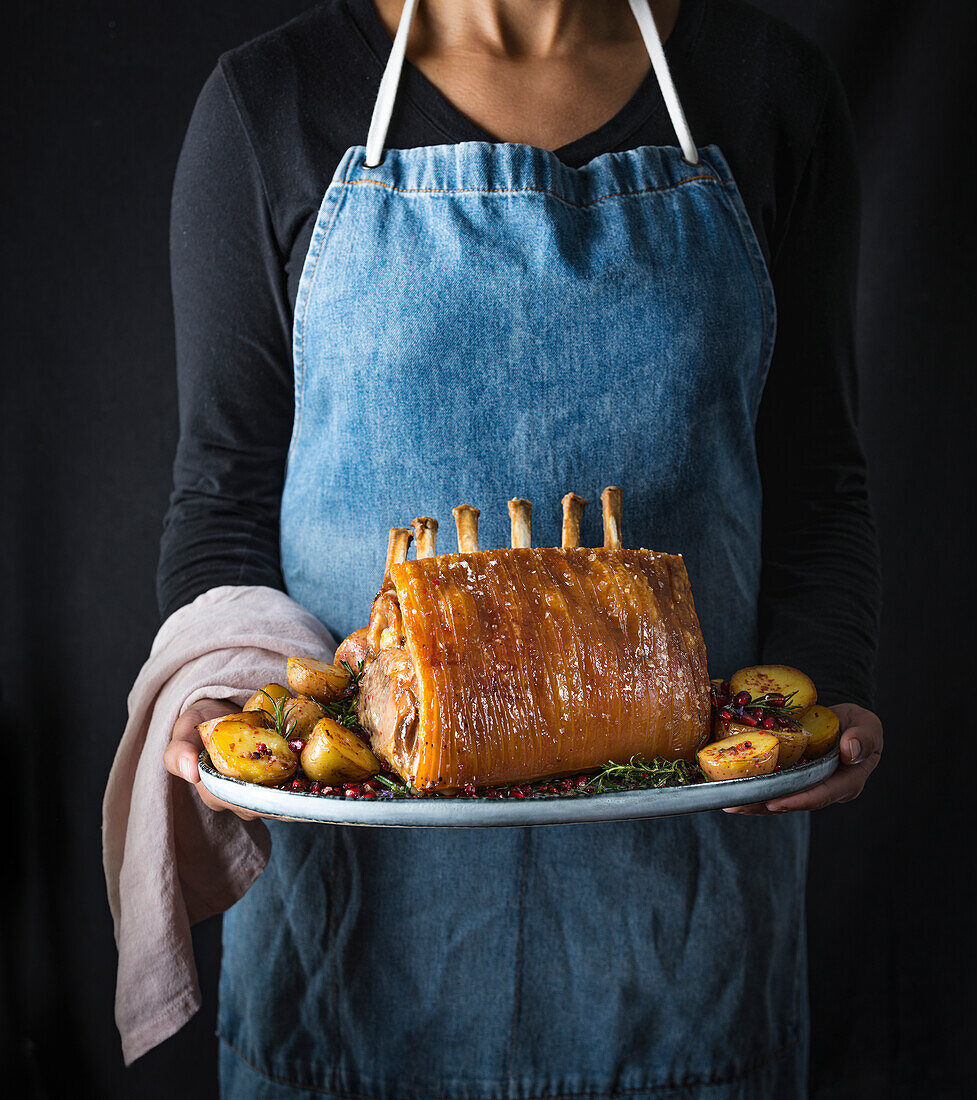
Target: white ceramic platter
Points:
(543, 810)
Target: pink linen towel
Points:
(169, 860)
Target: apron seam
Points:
(611, 1094)
(710, 178)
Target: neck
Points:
(522, 29)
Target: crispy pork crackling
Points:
(506, 666)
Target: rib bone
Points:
(520, 515)
(573, 507)
(610, 498)
(426, 536)
(466, 522)
(397, 543)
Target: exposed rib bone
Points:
(610, 498)
(397, 543)
(466, 522)
(426, 536)
(573, 507)
(520, 515)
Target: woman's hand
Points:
(181, 754)
(861, 747)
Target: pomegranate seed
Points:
(329, 790)
(782, 723)
(743, 699)
(775, 700)
(768, 723)
(493, 794)
(300, 784)
(748, 720)
(369, 794)
(296, 746)
(725, 715)
(353, 790)
(515, 792)
(757, 713)
(469, 789)
(369, 785)
(582, 780)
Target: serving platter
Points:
(461, 812)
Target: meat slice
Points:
(513, 665)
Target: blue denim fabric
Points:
(477, 322)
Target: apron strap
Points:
(387, 93)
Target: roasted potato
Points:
(353, 649)
(333, 754)
(256, 718)
(823, 726)
(739, 756)
(793, 743)
(240, 751)
(265, 699)
(301, 716)
(760, 680)
(324, 682)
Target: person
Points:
(528, 279)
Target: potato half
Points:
(760, 680)
(256, 718)
(265, 699)
(793, 743)
(324, 682)
(240, 751)
(334, 754)
(823, 725)
(740, 756)
(301, 716)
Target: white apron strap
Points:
(387, 94)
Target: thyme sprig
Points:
(644, 773)
(405, 790)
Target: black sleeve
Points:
(821, 589)
(234, 365)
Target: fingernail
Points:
(854, 750)
(185, 770)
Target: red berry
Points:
(768, 723)
(743, 699)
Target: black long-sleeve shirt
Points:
(269, 128)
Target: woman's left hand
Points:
(861, 748)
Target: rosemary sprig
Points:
(343, 711)
(641, 773)
(354, 676)
(280, 714)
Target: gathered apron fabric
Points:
(477, 322)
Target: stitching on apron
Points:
(670, 1086)
(537, 190)
(518, 965)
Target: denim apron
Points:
(476, 322)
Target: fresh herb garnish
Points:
(642, 773)
(354, 676)
(280, 713)
(405, 790)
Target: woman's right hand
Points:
(185, 744)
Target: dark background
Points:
(96, 101)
